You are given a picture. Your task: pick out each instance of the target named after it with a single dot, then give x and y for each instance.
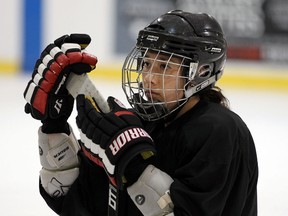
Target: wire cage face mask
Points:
(155, 81)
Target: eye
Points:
(164, 65)
(146, 65)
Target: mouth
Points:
(152, 95)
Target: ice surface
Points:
(264, 112)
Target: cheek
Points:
(174, 88)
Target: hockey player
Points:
(179, 151)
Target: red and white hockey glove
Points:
(46, 95)
(112, 140)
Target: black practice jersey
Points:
(210, 154)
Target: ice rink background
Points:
(265, 113)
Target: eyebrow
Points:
(162, 57)
(159, 57)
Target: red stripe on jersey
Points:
(124, 112)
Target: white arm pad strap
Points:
(58, 157)
(150, 192)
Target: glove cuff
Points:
(135, 168)
(134, 163)
(55, 126)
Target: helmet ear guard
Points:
(202, 85)
(197, 75)
(199, 78)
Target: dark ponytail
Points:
(214, 95)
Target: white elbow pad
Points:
(151, 192)
(57, 183)
(58, 151)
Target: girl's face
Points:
(162, 78)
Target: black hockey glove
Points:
(47, 98)
(113, 139)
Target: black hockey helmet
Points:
(196, 38)
(195, 35)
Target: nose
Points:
(149, 77)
